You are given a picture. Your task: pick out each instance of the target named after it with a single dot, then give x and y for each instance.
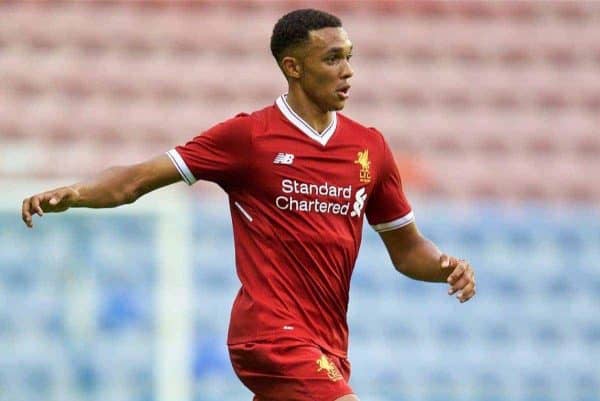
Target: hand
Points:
(462, 278)
(57, 200)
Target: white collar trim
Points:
(302, 125)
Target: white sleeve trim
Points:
(394, 224)
(183, 169)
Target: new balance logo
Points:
(284, 158)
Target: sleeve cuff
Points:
(183, 169)
(394, 224)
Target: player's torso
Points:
(311, 185)
(297, 216)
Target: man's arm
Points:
(418, 258)
(112, 187)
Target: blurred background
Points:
(492, 110)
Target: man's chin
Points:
(339, 105)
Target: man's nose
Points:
(347, 72)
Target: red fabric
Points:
(290, 370)
(295, 264)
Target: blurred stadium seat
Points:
(447, 83)
(531, 333)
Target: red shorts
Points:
(290, 370)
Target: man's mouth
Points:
(344, 91)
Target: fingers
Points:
(458, 271)
(40, 203)
(25, 213)
(462, 281)
(467, 293)
(30, 207)
(458, 285)
(36, 207)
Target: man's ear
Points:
(291, 67)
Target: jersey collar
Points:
(302, 125)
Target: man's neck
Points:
(308, 111)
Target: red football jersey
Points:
(297, 199)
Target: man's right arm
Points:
(112, 187)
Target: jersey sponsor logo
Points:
(284, 158)
(359, 202)
(365, 166)
(323, 198)
(326, 365)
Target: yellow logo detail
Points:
(365, 164)
(328, 366)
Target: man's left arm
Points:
(418, 258)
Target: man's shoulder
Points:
(259, 118)
(249, 121)
(358, 127)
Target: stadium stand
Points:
(532, 332)
(451, 84)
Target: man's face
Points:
(326, 68)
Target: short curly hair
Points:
(292, 29)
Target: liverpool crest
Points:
(365, 164)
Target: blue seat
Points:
(532, 332)
(38, 379)
(590, 334)
(210, 357)
(584, 385)
(121, 308)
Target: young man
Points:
(300, 177)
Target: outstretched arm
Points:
(416, 257)
(113, 187)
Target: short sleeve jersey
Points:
(297, 199)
